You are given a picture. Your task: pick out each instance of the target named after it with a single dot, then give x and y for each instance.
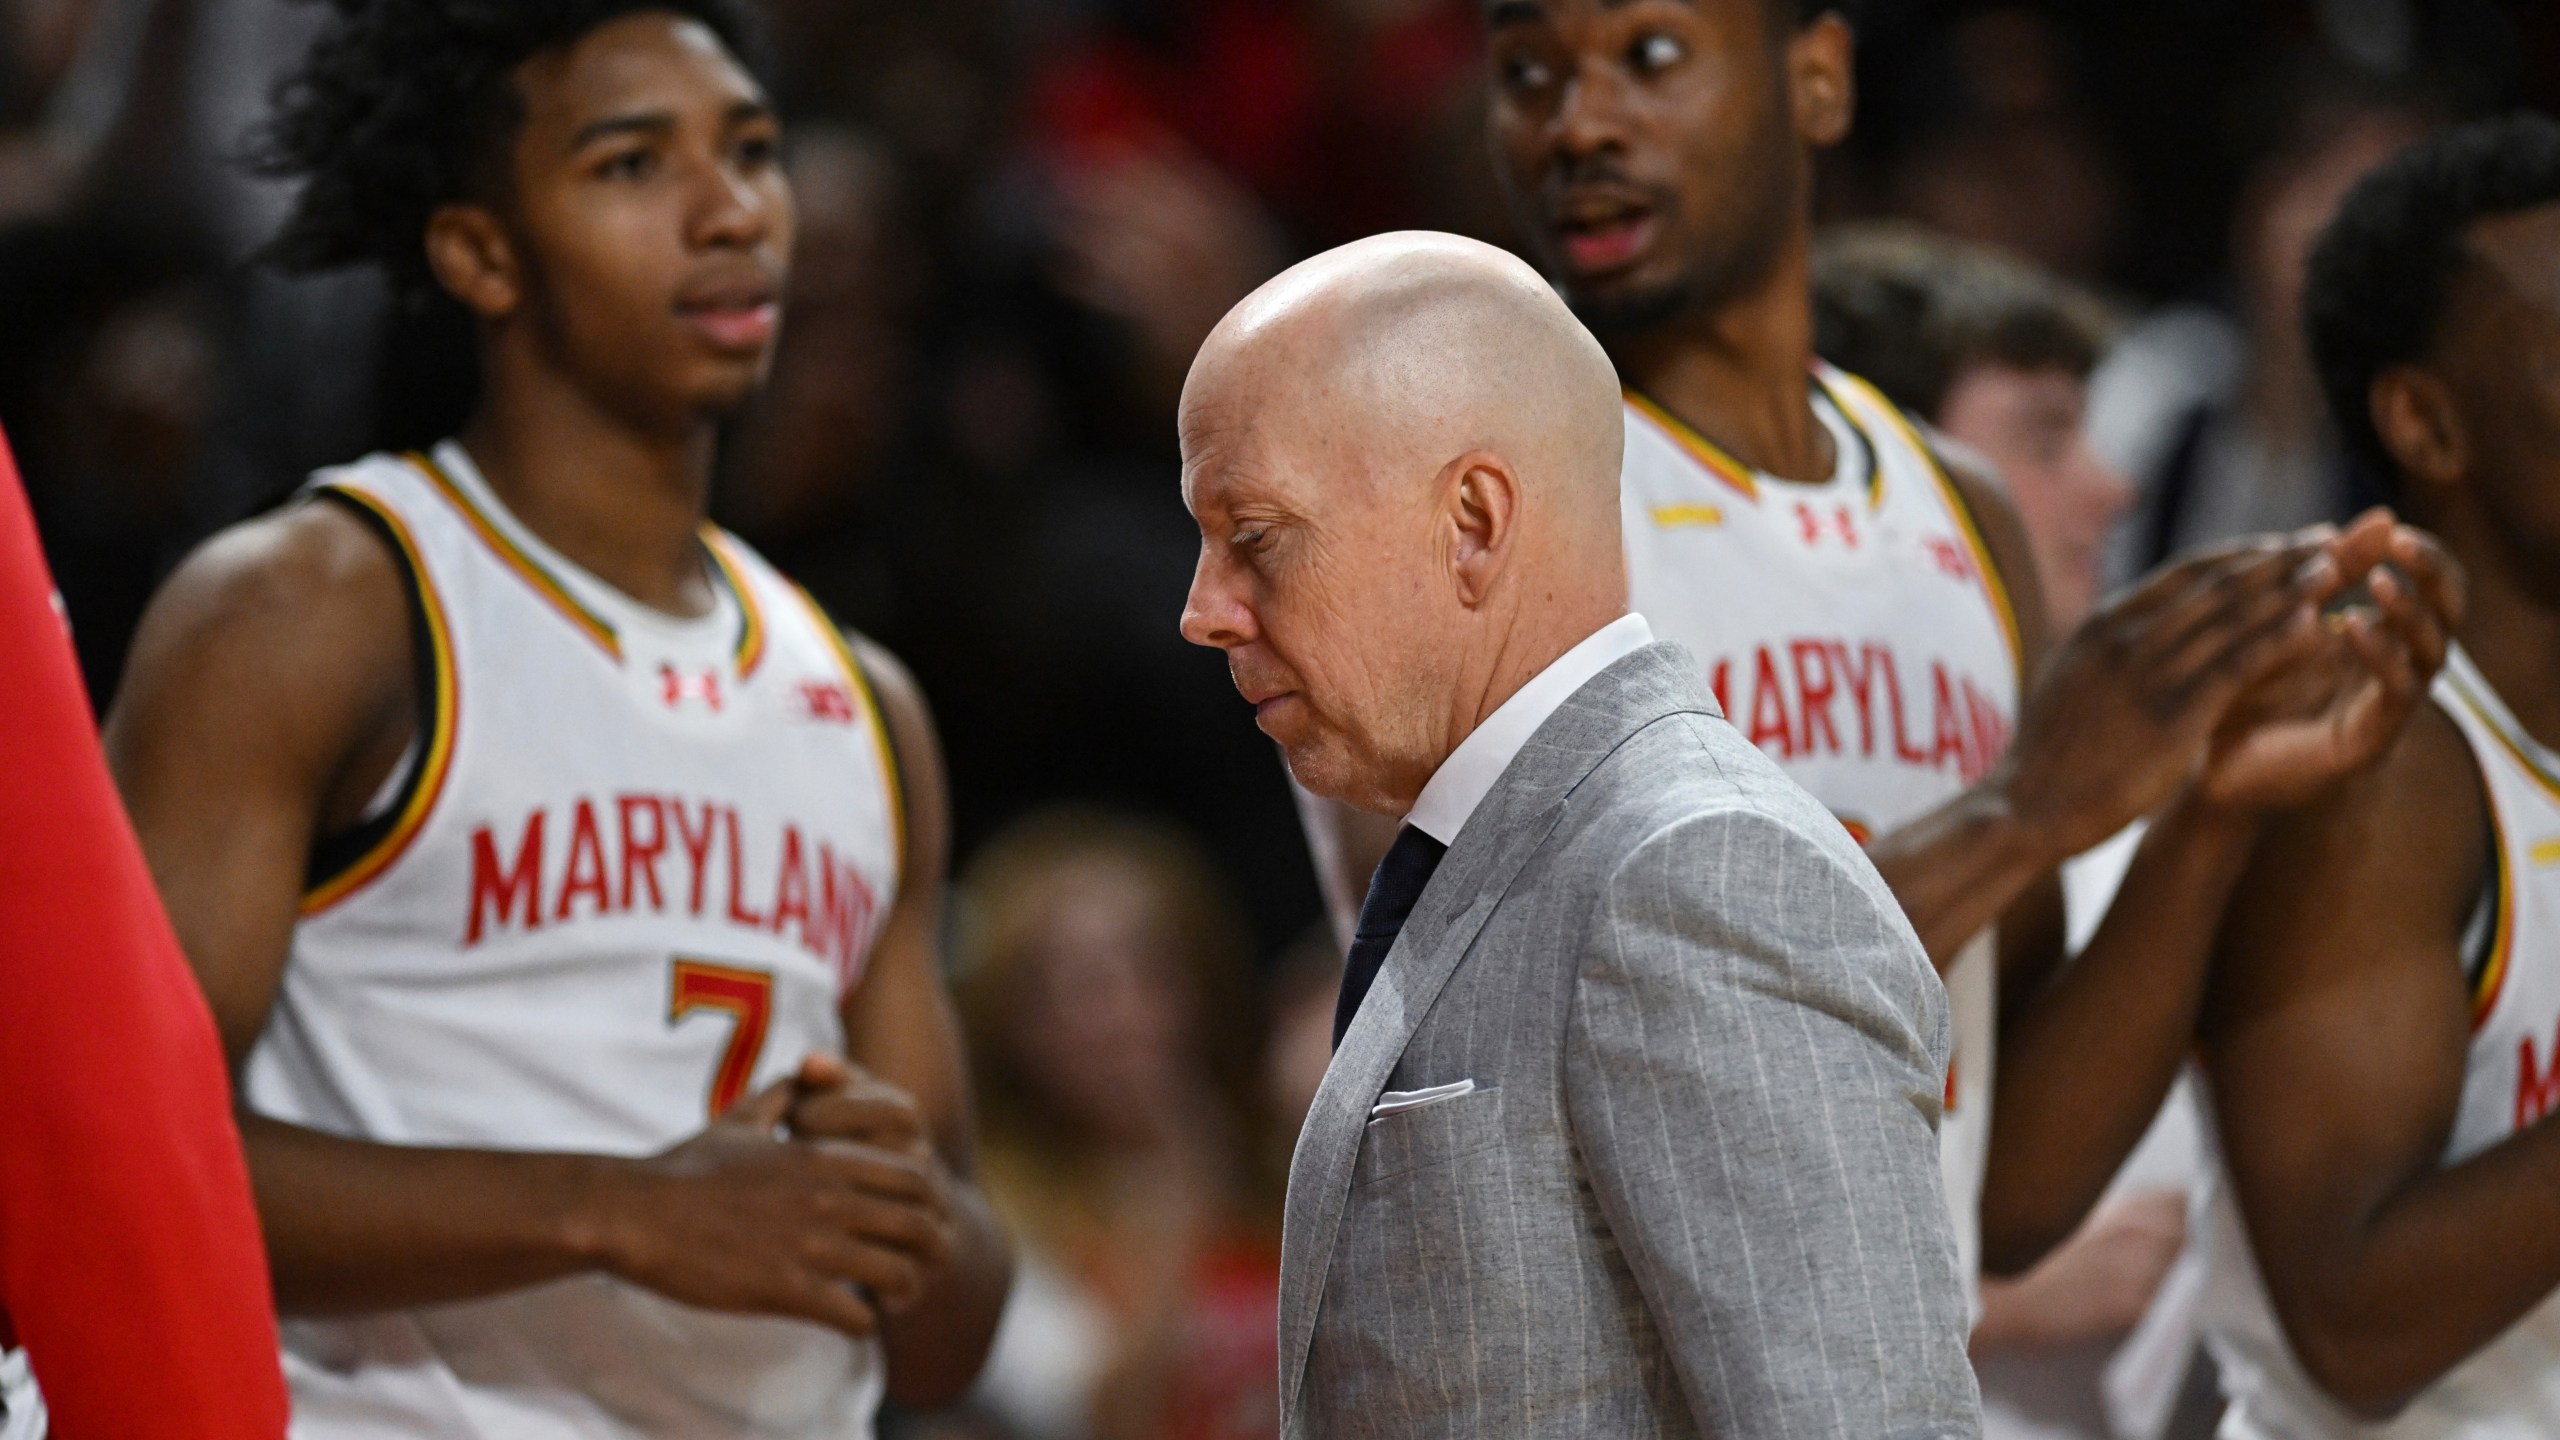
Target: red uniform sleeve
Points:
(130, 1262)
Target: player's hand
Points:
(835, 1099)
(839, 1106)
(2123, 714)
(742, 1218)
(2307, 726)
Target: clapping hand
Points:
(2339, 706)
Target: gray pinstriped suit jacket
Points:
(1695, 1191)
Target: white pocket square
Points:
(1396, 1102)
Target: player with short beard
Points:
(1869, 612)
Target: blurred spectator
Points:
(105, 383)
(1319, 107)
(1996, 146)
(1109, 1010)
(820, 435)
(1299, 999)
(1997, 355)
(2217, 415)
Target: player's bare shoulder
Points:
(293, 626)
(2400, 848)
(2418, 814)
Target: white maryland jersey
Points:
(21, 1408)
(1858, 633)
(2511, 1389)
(624, 878)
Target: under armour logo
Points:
(677, 687)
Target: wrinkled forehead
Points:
(1227, 439)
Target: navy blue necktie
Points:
(1392, 891)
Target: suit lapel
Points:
(1509, 827)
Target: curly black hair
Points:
(2381, 275)
(401, 106)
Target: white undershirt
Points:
(1468, 775)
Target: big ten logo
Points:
(1952, 559)
(827, 702)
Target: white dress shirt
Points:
(1467, 776)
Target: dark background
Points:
(1019, 217)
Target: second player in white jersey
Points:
(1857, 632)
(627, 875)
(2511, 1389)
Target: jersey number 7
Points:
(747, 997)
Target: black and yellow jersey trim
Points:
(555, 594)
(1721, 464)
(749, 651)
(881, 737)
(1994, 584)
(342, 864)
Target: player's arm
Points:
(908, 1090)
(2114, 721)
(1969, 864)
(2336, 1035)
(267, 693)
(2088, 1056)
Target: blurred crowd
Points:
(1020, 217)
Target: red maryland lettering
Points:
(498, 892)
(2537, 1089)
(1947, 723)
(697, 849)
(1860, 675)
(845, 908)
(791, 885)
(1989, 728)
(640, 856)
(586, 867)
(1903, 749)
(1798, 688)
(1770, 728)
(738, 914)
(611, 865)
(1814, 687)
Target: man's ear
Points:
(1481, 495)
(2414, 412)
(474, 260)
(1822, 79)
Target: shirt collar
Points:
(1468, 775)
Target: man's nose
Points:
(1591, 116)
(1213, 614)
(730, 211)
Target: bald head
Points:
(1403, 455)
(1427, 346)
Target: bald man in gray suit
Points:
(1631, 1127)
